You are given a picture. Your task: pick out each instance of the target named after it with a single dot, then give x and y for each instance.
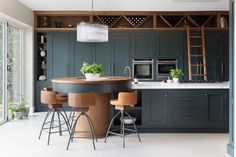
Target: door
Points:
(142, 45)
(2, 106)
(155, 105)
(121, 53)
(60, 54)
(104, 55)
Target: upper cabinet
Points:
(142, 45)
(170, 44)
(121, 53)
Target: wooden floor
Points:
(20, 138)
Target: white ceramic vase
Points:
(175, 80)
(91, 76)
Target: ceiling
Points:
(127, 5)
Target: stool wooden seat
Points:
(55, 103)
(125, 100)
(80, 103)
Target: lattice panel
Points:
(200, 20)
(173, 20)
(136, 21)
(110, 21)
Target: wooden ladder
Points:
(200, 55)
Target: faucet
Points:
(129, 71)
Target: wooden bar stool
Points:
(55, 103)
(80, 102)
(125, 100)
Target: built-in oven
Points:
(163, 67)
(142, 69)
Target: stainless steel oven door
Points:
(163, 68)
(142, 69)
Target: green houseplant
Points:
(176, 74)
(92, 71)
(18, 110)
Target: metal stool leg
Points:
(59, 122)
(72, 132)
(72, 118)
(67, 119)
(67, 123)
(134, 125)
(108, 129)
(123, 128)
(47, 115)
(50, 128)
(92, 132)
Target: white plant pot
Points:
(175, 80)
(91, 76)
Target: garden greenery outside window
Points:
(10, 66)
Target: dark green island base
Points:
(181, 111)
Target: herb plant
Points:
(176, 73)
(91, 68)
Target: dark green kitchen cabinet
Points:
(188, 108)
(142, 45)
(104, 55)
(155, 107)
(213, 47)
(225, 56)
(217, 101)
(59, 54)
(83, 52)
(170, 45)
(121, 53)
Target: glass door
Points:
(14, 64)
(2, 106)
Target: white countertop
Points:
(160, 85)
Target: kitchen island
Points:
(183, 107)
(101, 88)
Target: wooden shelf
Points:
(65, 21)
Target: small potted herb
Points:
(18, 110)
(92, 71)
(176, 74)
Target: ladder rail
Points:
(204, 53)
(189, 54)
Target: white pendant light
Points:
(91, 32)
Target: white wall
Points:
(15, 12)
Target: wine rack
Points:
(110, 21)
(137, 21)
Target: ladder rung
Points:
(197, 55)
(194, 36)
(199, 74)
(198, 65)
(195, 45)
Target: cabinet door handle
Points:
(187, 117)
(222, 69)
(186, 99)
(166, 94)
(67, 69)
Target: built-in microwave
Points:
(142, 69)
(163, 67)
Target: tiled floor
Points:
(20, 138)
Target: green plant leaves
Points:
(176, 73)
(91, 68)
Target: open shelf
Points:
(132, 21)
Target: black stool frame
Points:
(122, 127)
(54, 111)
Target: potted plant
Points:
(92, 71)
(176, 74)
(18, 110)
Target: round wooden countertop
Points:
(82, 80)
(108, 84)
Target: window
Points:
(10, 66)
